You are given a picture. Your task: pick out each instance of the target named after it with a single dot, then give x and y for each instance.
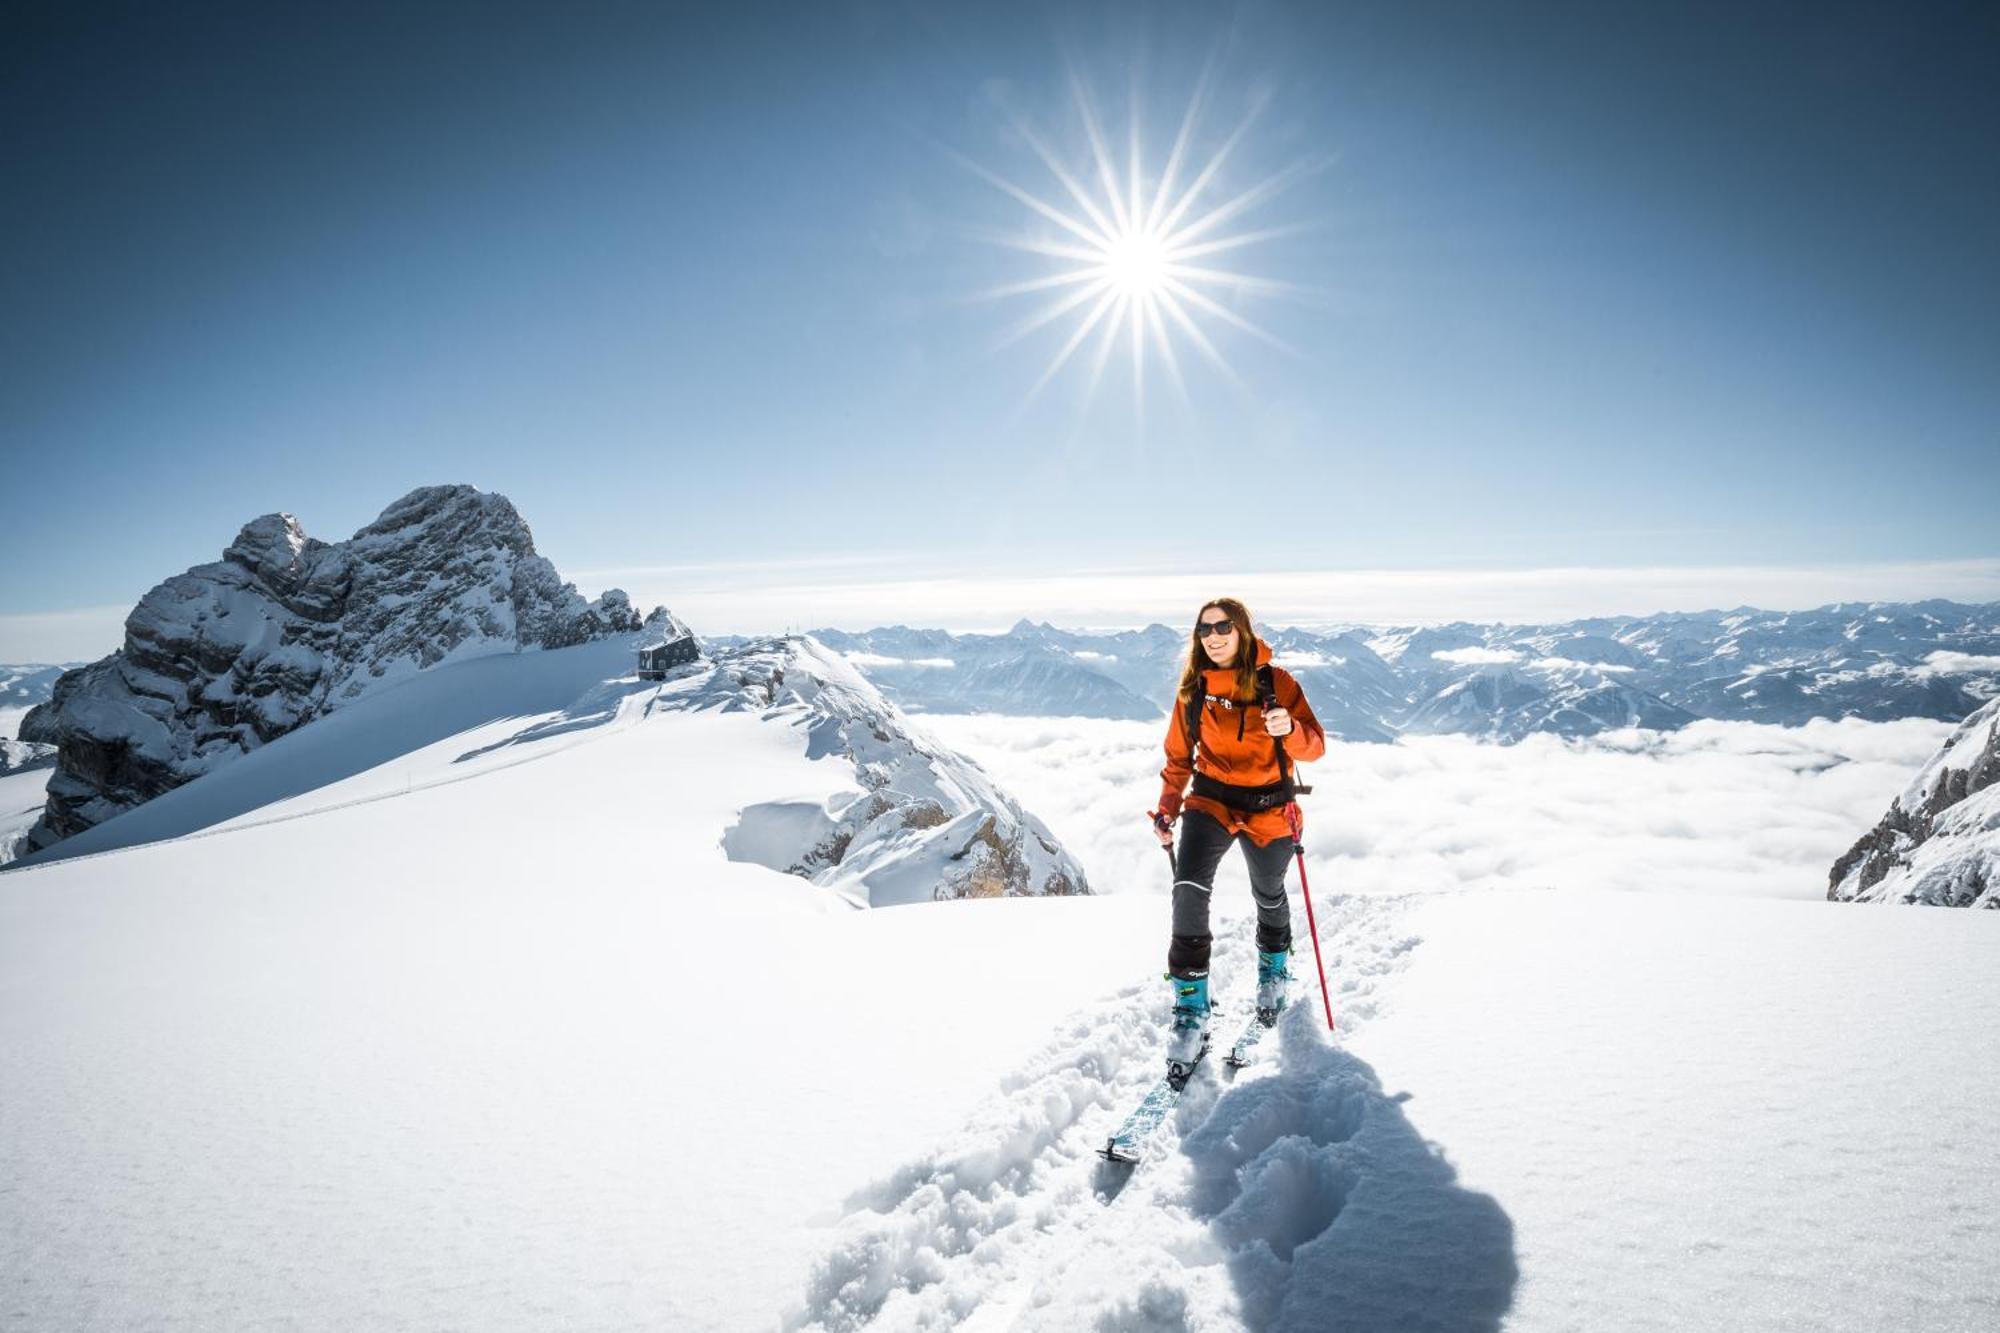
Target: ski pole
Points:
(1312, 927)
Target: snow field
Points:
(510, 1052)
(477, 1026)
(1545, 1110)
(1300, 1162)
(1713, 1113)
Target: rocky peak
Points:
(923, 822)
(285, 628)
(274, 548)
(1939, 843)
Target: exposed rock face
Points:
(1940, 842)
(926, 823)
(286, 628)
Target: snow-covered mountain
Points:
(22, 686)
(22, 756)
(921, 823)
(25, 769)
(25, 684)
(866, 807)
(1029, 670)
(1565, 698)
(1939, 843)
(1878, 661)
(286, 628)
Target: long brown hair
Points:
(1245, 663)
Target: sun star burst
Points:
(1133, 253)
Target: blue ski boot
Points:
(1273, 979)
(1187, 1035)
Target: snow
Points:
(523, 1047)
(1570, 664)
(1960, 750)
(478, 1024)
(861, 659)
(1657, 1128)
(1709, 1112)
(1476, 656)
(21, 796)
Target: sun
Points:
(1134, 253)
(1137, 265)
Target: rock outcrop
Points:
(924, 822)
(1939, 843)
(286, 628)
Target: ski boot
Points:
(1187, 1035)
(1273, 978)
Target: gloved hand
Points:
(1162, 825)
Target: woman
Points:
(1238, 743)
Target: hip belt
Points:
(1270, 796)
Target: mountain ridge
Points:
(1498, 681)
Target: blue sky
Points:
(1692, 290)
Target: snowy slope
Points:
(285, 628)
(508, 1041)
(22, 793)
(891, 817)
(509, 1046)
(1545, 1111)
(1939, 843)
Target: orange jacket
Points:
(1237, 750)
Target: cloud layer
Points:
(1719, 807)
(755, 599)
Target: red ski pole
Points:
(1312, 928)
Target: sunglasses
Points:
(1215, 629)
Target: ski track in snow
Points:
(1017, 1223)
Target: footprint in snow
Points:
(1297, 1196)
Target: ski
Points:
(1128, 1145)
(1253, 1032)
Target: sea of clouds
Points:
(1715, 808)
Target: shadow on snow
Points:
(1335, 1212)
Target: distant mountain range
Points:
(1874, 660)
(22, 686)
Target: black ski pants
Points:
(1203, 842)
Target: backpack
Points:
(1250, 799)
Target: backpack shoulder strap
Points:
(1191, 719)
(1267, 695)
